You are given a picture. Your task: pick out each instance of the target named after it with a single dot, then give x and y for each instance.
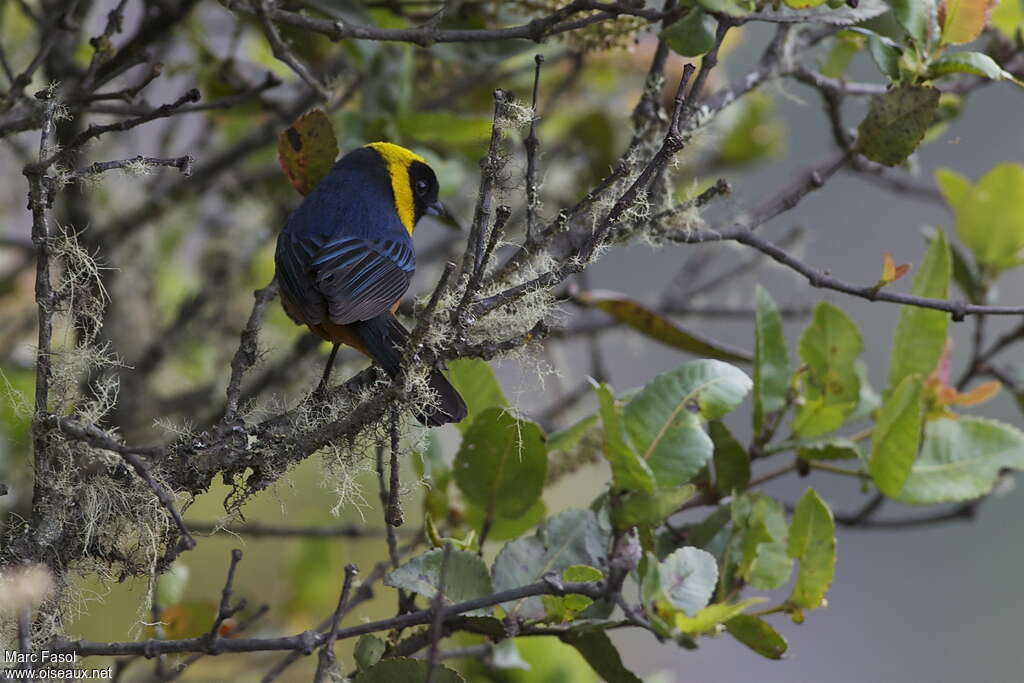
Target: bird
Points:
(345, 258)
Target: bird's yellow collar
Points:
(398, 160)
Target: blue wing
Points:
(360, 279)
(343, 278)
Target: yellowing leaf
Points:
(307, 150)
(658, 327)
(708, 619)
(963, 20)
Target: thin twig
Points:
(328, 662)
(436, 604)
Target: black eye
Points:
(422, 186)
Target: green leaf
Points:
(833, 448)
(917, 17)
(688, 578)
(582, 572)
(568, 439)
(572, 537)
(975, 63)
(885, 55)
(408, 670)
(812, 541)
(966, 275)
(710, 534)
(803, 4)
(987, 214)
(708, 619)
(896, 436)
(963, 20)
(758, 635)
(831, 388)
(599, 651)
(921, 332)
(658, 327)
(732, 463)
(307, 150)
(771, 359)
(868, 399)
(501, 464)
(368, 651)
(629, 472)
(475, 381)
(843, 16)
(691, 36)
(845, 47)
(1008, 17)
(503, 528)
(466, 577)
(664, 419)
(734, 8)
(759, 541)
(896, 123)
(961, 460)
(755, 135)
(649, 508)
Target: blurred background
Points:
(931, 604)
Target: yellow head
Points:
(412, 181)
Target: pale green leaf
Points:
(974, 63)
(831, 387)
(812, 542)
(988, 214)
(572, 537)
(629, 471)
(664, 420)
(771, 359)
(921, 332)
(466, 576)
(896, 436)
(961, 460)
(688, 578)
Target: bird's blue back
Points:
(354, 199)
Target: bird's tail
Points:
(384, 338)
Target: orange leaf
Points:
(978, 395)
(307, 150)
(963, 20)
(227, 627)
(890, 271)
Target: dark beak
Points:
(443, 215)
